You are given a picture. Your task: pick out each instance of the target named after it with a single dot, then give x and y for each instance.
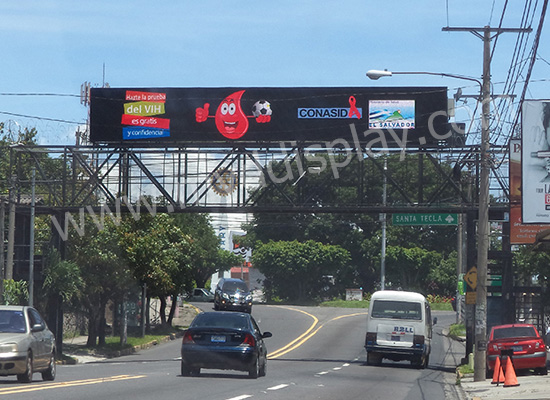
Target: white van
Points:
(399, 327)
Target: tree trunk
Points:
(124, 323)
(101, 324)
(148, 313)
(162, 311)
(173, 309)
(92, 329)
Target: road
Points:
(315, 353)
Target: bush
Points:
(15, 292)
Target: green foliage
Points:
(62, 278)
(442, 280)
(409, 268)
(15, 292)
(294, 271)
(360, 234)
(457, 330)
(158, 253)
(208, 257)
(346, 304)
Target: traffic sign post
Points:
(471, 284)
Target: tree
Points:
(160, 255)
(409, 268)
(208, 257)
(443, 279)
(360, 234)
(294, 271)
(105, 274)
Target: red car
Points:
(525, 343)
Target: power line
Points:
(63, 121)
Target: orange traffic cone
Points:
(511, 379)
(498, 374)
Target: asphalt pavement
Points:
(530, 386)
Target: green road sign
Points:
(425, 219)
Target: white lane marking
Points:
(322, 373)
(345, 365)
(241, 397)
(281, 386)
(337, 368)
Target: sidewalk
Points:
(76, 352)
(530, 387)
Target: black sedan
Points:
(224, 340)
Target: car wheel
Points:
(49, 374)
(426, 361)
(263, 368)
(254, 372)
(216, 306)
(185, 371)
(541, 371)
(417, 362)
(26, 377)
(374, 358)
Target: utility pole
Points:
(31, 239)
(384, 223)
(483, 216)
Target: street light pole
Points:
(384, 224)
(483, 217)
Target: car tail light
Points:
(187, 338)
(249, 340)
(418, 340)
(370, 338)
(538, 345)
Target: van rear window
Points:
(396, 309)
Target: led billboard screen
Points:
(535, 162)
(383, 117)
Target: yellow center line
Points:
(281, 351)
(300, 340)
(60, 385)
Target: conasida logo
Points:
(230, 118)
(332, 112)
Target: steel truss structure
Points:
(295, 179)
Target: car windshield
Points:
(514, 332)
(235, 286)
(396, 309)
(219, 320)
(12, 321)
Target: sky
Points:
(49, 48)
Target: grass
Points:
(112, 343)
(457, 330)
(441, 306)
(365, 304)
(345, 304)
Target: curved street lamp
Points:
(376, 74)
(483, 217)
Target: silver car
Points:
(26, 344)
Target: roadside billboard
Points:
(520, 233)
(377, 117)
(535, 162)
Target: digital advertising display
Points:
(535, 162)
(254, 116)
(520, 233)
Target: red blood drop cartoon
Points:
(230, 118)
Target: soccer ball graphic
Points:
(261, 107)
